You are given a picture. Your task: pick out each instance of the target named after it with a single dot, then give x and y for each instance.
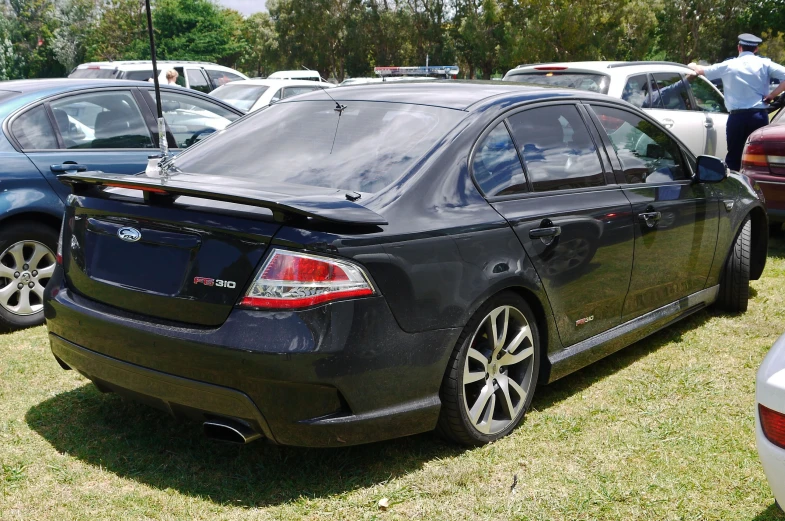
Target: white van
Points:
(201, 76)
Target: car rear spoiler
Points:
(336, 208)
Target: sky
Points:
(245, 6)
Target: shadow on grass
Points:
(773, 513)
(140, 443)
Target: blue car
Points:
(52, 127)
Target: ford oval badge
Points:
(129, 234)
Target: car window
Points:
(191, 118)
(646, 152)
(180, 76)
(108, 119)
(364, 147)
(496, 165)
(672, 91)
(706, 97)
(138, 75)
(241, 95)
(288, 92)
(276, 96)
(557, 149)
(197, 81)
(573, 80)
(641, 92)
(221, 77)
(34, 131)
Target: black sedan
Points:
(398, 259)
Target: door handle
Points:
(708, 123)
(650, 218)
(542, 233)
(67, 167)
(667, 123)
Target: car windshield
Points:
(241, 96)
(573, 80)
(94, 73)
(362, 147)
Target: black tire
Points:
(30, 233)
(735, 280)
(775, 229)
(454, 422)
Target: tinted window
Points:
(646, 152)
(240, 95)
(138, 75)
(557, 150)
(572, 80)
(496, 166)
(222, 78)
(197, 81)
(706, 97)
(672, 91)
(109, 119)
(288, 92)
(94, 73)
(364, 148)
(191, 118)
(34, 131)
(641, 92)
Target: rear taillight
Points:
(297, 280)
(773, 425)
(60, 244)
(763, 156)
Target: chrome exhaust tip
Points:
(230, 431)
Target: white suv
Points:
(201, 76)
(688, 105)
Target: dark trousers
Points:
(740, 126)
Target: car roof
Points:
(612, 68)
(453, 94)
(276, 82)
(131, 65)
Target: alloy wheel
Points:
(498, 370)
(25, 268)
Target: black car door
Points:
(574, 226)
(676, 220)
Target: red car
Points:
(763, 161)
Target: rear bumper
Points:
(336, 375)
(773, 460)
(773, 188)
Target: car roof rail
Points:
(630, 64)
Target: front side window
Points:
(108, 119)
(557, 149)
(220, 78)
(197, 81)
(240, 95)
(364, 147)
(34, 131)
(496, 166)
(646, 152)
(673, 92)
(288, 92)
(641, 92)
(707, 99)
(190, 118)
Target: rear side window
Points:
(572, 80)
(557, 149)
(641, 92)
(138, 75)
(288, 92)
(364, 147)
(95, 73)
(673, 92)
(196, 80)
(34, 131)
(646, 152)
(220, 78)
(496, 166)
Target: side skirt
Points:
(599, 346)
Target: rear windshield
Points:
(363, 147)
(241, 96)
(572, 80)
(94, 73)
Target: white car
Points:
(201, 76)
(770, 418)
(250, 95)
(303, 74)
(688, 105)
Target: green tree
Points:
(35, 24)
(260, 56)
(77, 19)
(121, 33)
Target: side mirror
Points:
(711, 170)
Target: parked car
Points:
(770, 418)
(382, 264)
(688, 105)
(303, 74)
(250, 95)
(763, 160)
(201, 76)
(51, 127)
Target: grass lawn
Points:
(662, 430)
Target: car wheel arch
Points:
(39, 217)
(760, 241)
